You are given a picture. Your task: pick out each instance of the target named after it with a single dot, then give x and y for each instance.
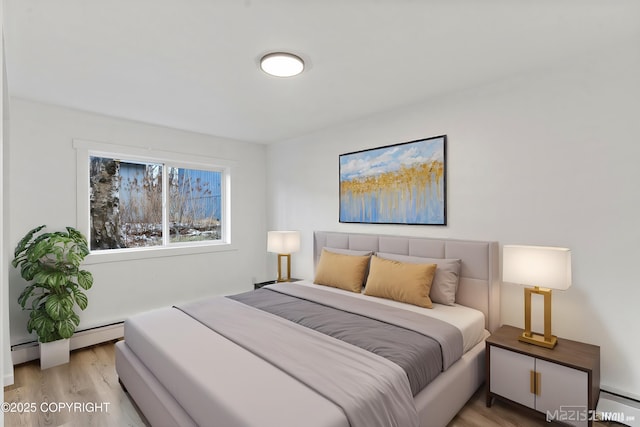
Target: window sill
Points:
(119, 255)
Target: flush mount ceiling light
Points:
(282, 64)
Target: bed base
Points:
(156, 403)
(437, 404)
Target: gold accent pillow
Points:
(400, 281)
(445, 281)
(341, 271)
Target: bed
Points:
(182, 371)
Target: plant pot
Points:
(54, 353)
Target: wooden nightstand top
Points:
(574, 354)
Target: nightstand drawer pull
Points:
(532, 382)
(535, 382)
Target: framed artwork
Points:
(395, 184)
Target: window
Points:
(195, 205)
(152, 202)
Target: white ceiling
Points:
(193, 64)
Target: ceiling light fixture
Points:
(282, 64)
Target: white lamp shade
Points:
(283, 242)
(541, 266)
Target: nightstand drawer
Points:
(511, 376)
(561, 384)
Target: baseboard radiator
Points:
(618, 408)
(27, 352)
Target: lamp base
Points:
(287, 258)
(538, 340)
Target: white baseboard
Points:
(612, 407)
(30, 351)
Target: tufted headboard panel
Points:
(479, 275)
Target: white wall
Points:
(5, 250)
(5, 359)
(43, 191)
(547, 158)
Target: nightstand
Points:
(271, 282)
(562, 383)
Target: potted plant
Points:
(50, 262)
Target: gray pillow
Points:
(348, 251)
(445, 281)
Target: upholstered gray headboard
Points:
(479, 276)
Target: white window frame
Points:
(86, 149)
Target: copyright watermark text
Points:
(582, 413)
(54, 407)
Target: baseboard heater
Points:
(21, 353)
(618, 408)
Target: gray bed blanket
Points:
(448, 336)
(372, 391)
(418, 355)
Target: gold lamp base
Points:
(539, 340)
(287, 258)
(547, 340)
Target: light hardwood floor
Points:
(90, 379)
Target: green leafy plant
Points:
(50, 262)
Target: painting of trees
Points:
(397, 184)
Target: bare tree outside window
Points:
(104, 202)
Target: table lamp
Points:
(544, 268)
(284, 243)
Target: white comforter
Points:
(208, 374)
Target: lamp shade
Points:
(542, 266)
(283, 242)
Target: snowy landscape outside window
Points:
(135, 204)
